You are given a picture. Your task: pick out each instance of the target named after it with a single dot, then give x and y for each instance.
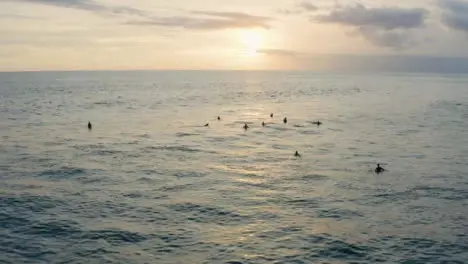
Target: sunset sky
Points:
(241, 34)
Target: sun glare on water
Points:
(252, 41)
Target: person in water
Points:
(297, 154)
(318, 123)
(285, 120)
(379, 169)
(246, 126)
(89, 125)
(219, 118)
(271, 115)
(263, 123)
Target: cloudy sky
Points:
(241, 34)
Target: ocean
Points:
(151, 184)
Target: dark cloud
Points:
(387, 27)
(384, 18)
(204, 20)
(307, 6)
(396, 39)
(299, 8)
(455, 15)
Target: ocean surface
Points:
(150, 184)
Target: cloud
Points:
(300, 7)
(387, 26)
(455, 15)
(390, 39)
(308, 6)
(87, 5)
(17, 16)
(198, 20)
(204, 20)
(279, 52)
(383, 18)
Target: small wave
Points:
(417, 249)
(177, 148)
(187, 174)
(280, 128)
(109, 102)
(389, 197)
(302, 202)
(143, 136)
(314, 177)
(252, 183)
(63, 172)
(55, 228)
(206, 214)
(181, 134)
(415, 156)
(102, 103)
(337, 213)
(8, 221)
(176, 188)
(441, 193)
(309, 132)
(97, 149)
(106, 152)
(146, 179)
(114, 236)
(133, 195)
(53, 143)
(337, 249)
(25, 204)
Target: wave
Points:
(207, 214)
(63, 172)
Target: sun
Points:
(252, 41)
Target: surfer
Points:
(379, 169)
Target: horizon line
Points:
(343, 71)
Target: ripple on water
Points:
(98, 149)
(179, 148)
(113, 236)
(25, 204)
(314, 177)
(419, 250)
(63, 173)
(50, 229)
(189, 174)
(455, 194)
(208, 214)
(182, 134)
(387, 197)
(337, 213)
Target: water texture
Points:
(151, 184)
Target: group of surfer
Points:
(285, 121)
(378, 169)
